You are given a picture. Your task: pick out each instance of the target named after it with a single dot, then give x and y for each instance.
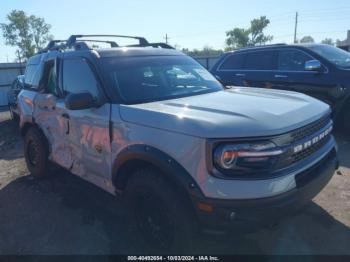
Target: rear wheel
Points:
(163, 219)
(36, 152)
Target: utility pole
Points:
(166, 38)
(296, 28)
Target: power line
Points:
(322, 19)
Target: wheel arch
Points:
(140, 156)
(342, 108)
(26, 126)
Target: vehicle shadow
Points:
(66, 215)
(10, 140)
(344, 149)
(312, 232)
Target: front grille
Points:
(310, 129)
(304, 137)
(296, 157)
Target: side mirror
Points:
(313, 65)
(79, 101)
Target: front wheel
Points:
(160, 213)
(36, 152)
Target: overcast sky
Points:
(188, 23)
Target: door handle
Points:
(281, 76)
(240, 75)
(65, 115)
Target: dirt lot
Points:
(65, 215)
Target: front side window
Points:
(153, 78)
(263, 60)
(333, 54)
(32, 76)
(79, 78)
(292, 60)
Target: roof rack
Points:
(78, 42)
(73, 38)
(112, 43)
(54, 45)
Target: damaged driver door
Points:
(47, 112)
(88, 133)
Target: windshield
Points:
(152, 78)
(335, 55)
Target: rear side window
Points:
(292, 60)
(233, 62)
(79, 78)
(263, 60)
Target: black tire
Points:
(36, 153)
(161, 214)
(14, 116)
(346, 121)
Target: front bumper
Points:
(252, 214)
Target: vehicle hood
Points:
(238, 112)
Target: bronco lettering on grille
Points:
(300, 147)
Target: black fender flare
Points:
(168, 166)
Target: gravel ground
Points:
(66, 215)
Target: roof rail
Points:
(112, 43)
(261, 46)
(155, 45)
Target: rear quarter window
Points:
(233, 62)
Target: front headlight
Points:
(247, 156)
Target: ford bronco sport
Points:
(150, 124)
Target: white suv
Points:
(149, 123)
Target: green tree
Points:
(27, 33)
(307, 39)
(338, 42)
(40, 31)
(254, 35)
(206, 51)
(237, 38)
(257, 27)
(328, 41)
